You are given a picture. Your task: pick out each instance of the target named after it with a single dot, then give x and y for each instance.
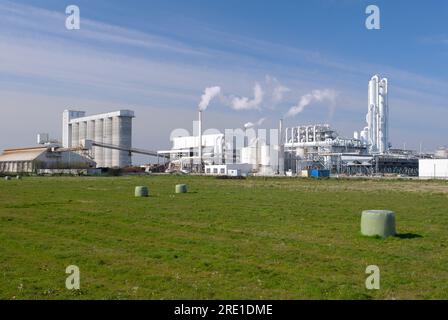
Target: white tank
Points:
(265, 155)
(300, 152)
(365, 136)
(249, 155)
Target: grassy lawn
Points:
(226, 239)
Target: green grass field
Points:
(226, 239)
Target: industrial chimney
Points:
(200, 141)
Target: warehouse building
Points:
(34, 160)
(433, 168)
(112, 129)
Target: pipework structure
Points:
(376, 134)
(114, 128)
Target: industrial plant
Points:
(302, 149)
(105, 141)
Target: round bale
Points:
(378, 223)
(181, 188)
(141, 191)
(7, 178)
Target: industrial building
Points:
(230, 169)
(304, 147)
(441, 153)
(111, 132)
(433, 168)
(37, 159)
(105, 140)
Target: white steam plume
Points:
(207, 97)
(244, 103)
(315, 96)
(277, 90)
(251, 125)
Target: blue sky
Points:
(156, 57)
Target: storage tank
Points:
(300, 152)
(265, 155)
(249, 155)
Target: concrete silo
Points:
(114, 128)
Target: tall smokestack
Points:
(280, 166)
(200, 141)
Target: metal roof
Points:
(26, 154)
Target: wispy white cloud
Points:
(103, 62)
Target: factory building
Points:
(304, 147)
(441, 153)
(184, 155)
(34, 160)
(320, 146)
(433, 168)
(110, 129)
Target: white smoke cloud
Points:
(207, 97)
(315, 96)
(244, 103)
(277, 90)
(257, 124)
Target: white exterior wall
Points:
(226, 169)
(67, 117)
(433, 168)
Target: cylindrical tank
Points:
(91, 130)
(82, 131)
(107, 138)
(249, 155)
(365, 136)
(300, 152)
(98, 151)
(265, 155)
(122, 136)
(75, 134)
(116, 154)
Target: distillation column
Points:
(376, 134)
